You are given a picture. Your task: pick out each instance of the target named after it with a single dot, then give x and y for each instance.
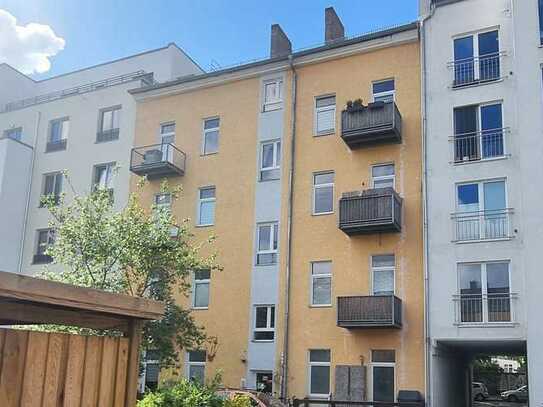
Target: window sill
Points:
(204, 225)
(322, 213)
(272, 108)
(269, 179)
(208, 154)
(265, 265)
(263, 340)
(320, 305)
(325, 133)
(484, 160)
(199, 308)
(486, 325)
(503, 239)
(476, 84)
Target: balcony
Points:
(483, 309)
(481, 145)
(57, 145)
(369, 312)
(482, 225)
(107, 135)
(158, 160)
(370, 211)
(477, 70)
(41, 259)
(377, 123)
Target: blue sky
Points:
(227, 31)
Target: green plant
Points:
(185, 393)
(238, 400)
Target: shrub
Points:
(184, 394)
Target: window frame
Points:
(270, 322)
(382, 364)
(56, 174)
(50, 130)
(111, 186)
(162, 134)
(189, 363)
(277, 156)
(317, 110)
(319, 186)
(102, 112)
(383, 177)
(379, 269)
(313, 277)
(202, 201)
(206, 131)
(37, 245)
(7, 133)
(143, 377)
(275, 104)
(273, 226)
(160, 206)
(481, 193)
(384, 94)
(195, 283)
(310, 365)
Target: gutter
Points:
(284, 361)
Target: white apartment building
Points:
(483, 163)
(81, 122)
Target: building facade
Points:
(482, 114)
(316, 208)
(80, 124)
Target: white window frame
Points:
(269, 322)
(196, 282)
(50, 240)
(143, 377)
(271, 249)
(383, 177)
(378, 269)
(110, 168)
(273, 104)
(318, 110)
(206, 131)
(188, 363)
(381, 364)
(276, 165)
(162, 134)
(166, 206)
(475, 42)
(314, 277)
(64, 133)
(310, 365)
(115, 110)
(206, 200)
(481, 192)
(386, 93)
(318, 186)
(56, 174)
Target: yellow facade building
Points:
(315, 200)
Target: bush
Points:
(238, 401)
(184, 394)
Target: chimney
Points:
(333, 28)
(280, 45)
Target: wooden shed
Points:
(53, 369)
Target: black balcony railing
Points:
(481, 145)
(379, 122)
(477, 70)
(158, 160)
(370, 211)
(57, 145)
(369, 312)
(41, 259)
(108, 135)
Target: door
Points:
(489, 56)
(491, 131)
(464, 68)
(383, 383)
(465, 134)
(495, 219)
(166, 139)
(471, 293)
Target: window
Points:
(264, 382)
(319, 373)
(384, 91)
(270, 161)
(163, 202)
(45, 239)
(540, 4)
(196, 365)
(52, 186)
(15, 133)
(206, 206)
(200, 289)
(109, 123)
(267, 244)
(476, 58)
(481, 211)
(273, 95)
(167, 137)
(103, 176)
(151, 371)
(478, 132)
(321, 283)
(58, 134)
(211, 136)
(484, 292)
(264, 323)
(382, 370)
(325, 115)
(382, 268)
(323, 193)
(382, 176)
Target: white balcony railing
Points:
(482, 225)
(477, 70)
(480, 309)
(481, 145)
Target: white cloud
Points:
(27, 48)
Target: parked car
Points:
(520, 394)
(479, 391)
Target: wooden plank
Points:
(57, 357)
(74, 370)
(2, 338)
(108, 372)
(13, 362)
(122, 365)
(25, 288)
(34, 369)
(91, 375)
(134, 333)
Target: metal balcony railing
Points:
(157, 160)
(482, 225)
(484, 308)
(477, 70)
(369, 312)
(481, 145)
(57, 145)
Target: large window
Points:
(166, 138)
(206, 206)
(321, 283)
(476, 58)
(45, 239)
(323, 193)
(484, 292)
(52, 186)
(325, 115)
(267, 237)
(382, 374)
(200, 289)
(273, 95)
(382, 176)
(540, 3)
(196, 365)
(478, 132)
(15, 133)
(58, 134)
(319, 373)
(382, 268)
(103, 176)
(210, 142)
(264, 327)
(270, 160)
(163, 202)
(384, 91)
(151, 371)
(109, 123)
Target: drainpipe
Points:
(284, 367)
(28, 193)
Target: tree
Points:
(132, 251)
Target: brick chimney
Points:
(280, 45)
(333, 28)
